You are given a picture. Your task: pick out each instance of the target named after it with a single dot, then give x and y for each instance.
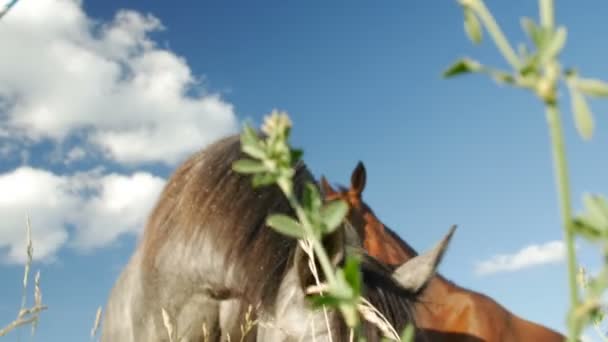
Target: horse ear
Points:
(415, 273)
(326, 188)
(358, 179)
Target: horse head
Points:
(391, 289)
(381, 243)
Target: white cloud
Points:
(121, 205)
(75, 154)
(100, 207)
(529, 256)
(62, 74)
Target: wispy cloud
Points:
(529, 256)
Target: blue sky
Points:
(98, 105)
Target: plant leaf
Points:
(462, 66)
(501, 77)
(586, 229)
(312, 199)
(583, 119)
(248, 166)
(296, 154)
(263, 179)
(251, 144)
(472, 26)
(408, 333)
(325, 299)
(285, 225)
(349, 312)
(553, 46)
(597, 211)
(533, 31)
(352, 274)
(333, 214)
(592, 87)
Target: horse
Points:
(446, 311)
(207, 267)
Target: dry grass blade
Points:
(205, 332)
(168, 322)
(367, 310)
(372, 315)
(37, 299)
(96, 323)
(28, 263)
(249, 323)
(27, 315)
(308, 249)
(7, 7)
(22, 320)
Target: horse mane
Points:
(206, 203)
(206, 199)
(396, 304)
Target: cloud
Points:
(99, 207)
(64, 75)
(120, 206)
(529, 256)
(75, 154)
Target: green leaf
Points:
(462, 66)
(325, 299)
(597, 211)
(352, 274)
(592, 87)
(341, 288)
(530, 66)
(312, 199)
(296, 154)
(586, 229)
(408, 333)
(251, 144)
(254, 150)
(583, 119)
(264, 179)
(472, 26)
(593, 222)
(285, 225)
(333, 213)
(553, 46)
(502, 77)
(532, 30)
(350, 314)
(248, 166)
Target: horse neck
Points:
(384, 244)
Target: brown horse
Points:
(446, 310)
(207, 256)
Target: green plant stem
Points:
(563, 188)
(316, 244)
(499, 38)
(547, 13)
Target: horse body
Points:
(446, 311)
(207, 258)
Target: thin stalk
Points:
(316, 244)
(547, 13)
(494, 30)
(563, 188)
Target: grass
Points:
(31, 315)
